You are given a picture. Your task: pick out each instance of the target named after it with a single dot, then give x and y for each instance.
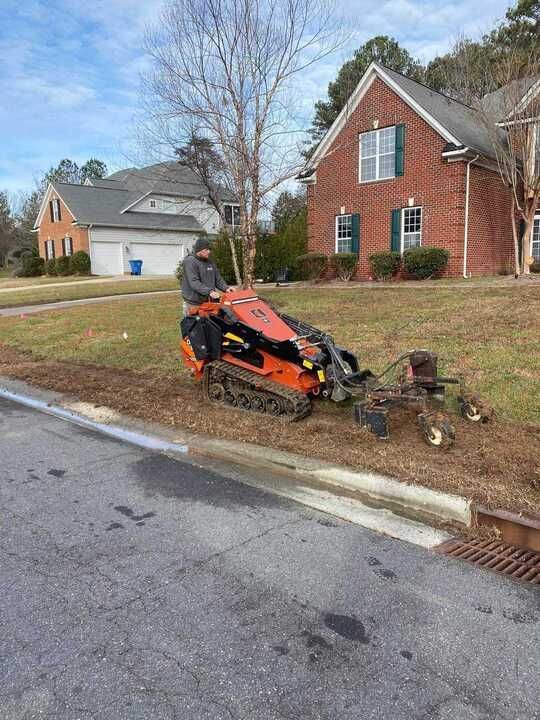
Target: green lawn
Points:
(491, 335)
(40, 295)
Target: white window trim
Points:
(232, 224)
(336, 232)
(377, 156)
(402, 237)
(70, 239)
(536, 219)
(49, 246)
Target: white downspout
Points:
(466, 234)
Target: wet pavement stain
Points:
(372, 561)
(280, 649)
(347, 626)
(520, 617)
(128, 512)
(55, 472)
(385, 574)
(486, 609)
(115, 526)
(406, 654)
(161, 475)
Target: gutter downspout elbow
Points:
(466, 232)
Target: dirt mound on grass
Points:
(496, 464)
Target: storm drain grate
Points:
(498, 556)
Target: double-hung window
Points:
(536, 239)
(49, 249)
(56, 215)
(378, 154)
(232, 215)
(411, 227)
(67, 245)
(343, 233)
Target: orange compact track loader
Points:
(250, 357)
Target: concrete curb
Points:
(410, 501)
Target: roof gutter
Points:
(466, 232)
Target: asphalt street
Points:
(136, 586)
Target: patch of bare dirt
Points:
(496, 464)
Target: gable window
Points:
(536, 239)
(67, 245)
(49, 249)
(343, 233)
(232, 215)
(411, 228)
(378, 154)
(54, 207)
(155, 203)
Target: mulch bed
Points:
(496, 464)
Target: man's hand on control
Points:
(214, 295)
(231, 288)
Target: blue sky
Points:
(69, 70)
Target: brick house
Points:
(153, 214)
(403, 165)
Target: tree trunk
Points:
(250, 249)
(236, 267)
(515, 235)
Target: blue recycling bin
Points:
(136, 266)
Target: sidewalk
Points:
(31, 309)
(86, 281)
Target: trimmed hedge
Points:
(63, 265)
(50, 267)
(423, 262)
(344, 265)
(312, 265)
(384, 265)
(80, 263)
(32, 266)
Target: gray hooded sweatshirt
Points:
(200, 278)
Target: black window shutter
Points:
(53, 254)
(355, 233)
(63, 246)
(395, 231)
(51, 210)
(400, 150)
(58, 208)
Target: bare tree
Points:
(204, 160)
(226, 69)
(511, 116)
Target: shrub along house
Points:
(153, 214)
(402, 166)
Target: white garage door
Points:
(106, 258)
(158, 258)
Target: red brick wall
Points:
(55, 231)
(490, 245)
(438, 186)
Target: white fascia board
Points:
(45, 202)
(531, 93)
(459, 151)
(363, 86)
(138, 200)
(365, 83)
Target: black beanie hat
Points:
(201, 244)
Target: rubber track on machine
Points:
(255, 382)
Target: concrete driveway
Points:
(134, 586)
